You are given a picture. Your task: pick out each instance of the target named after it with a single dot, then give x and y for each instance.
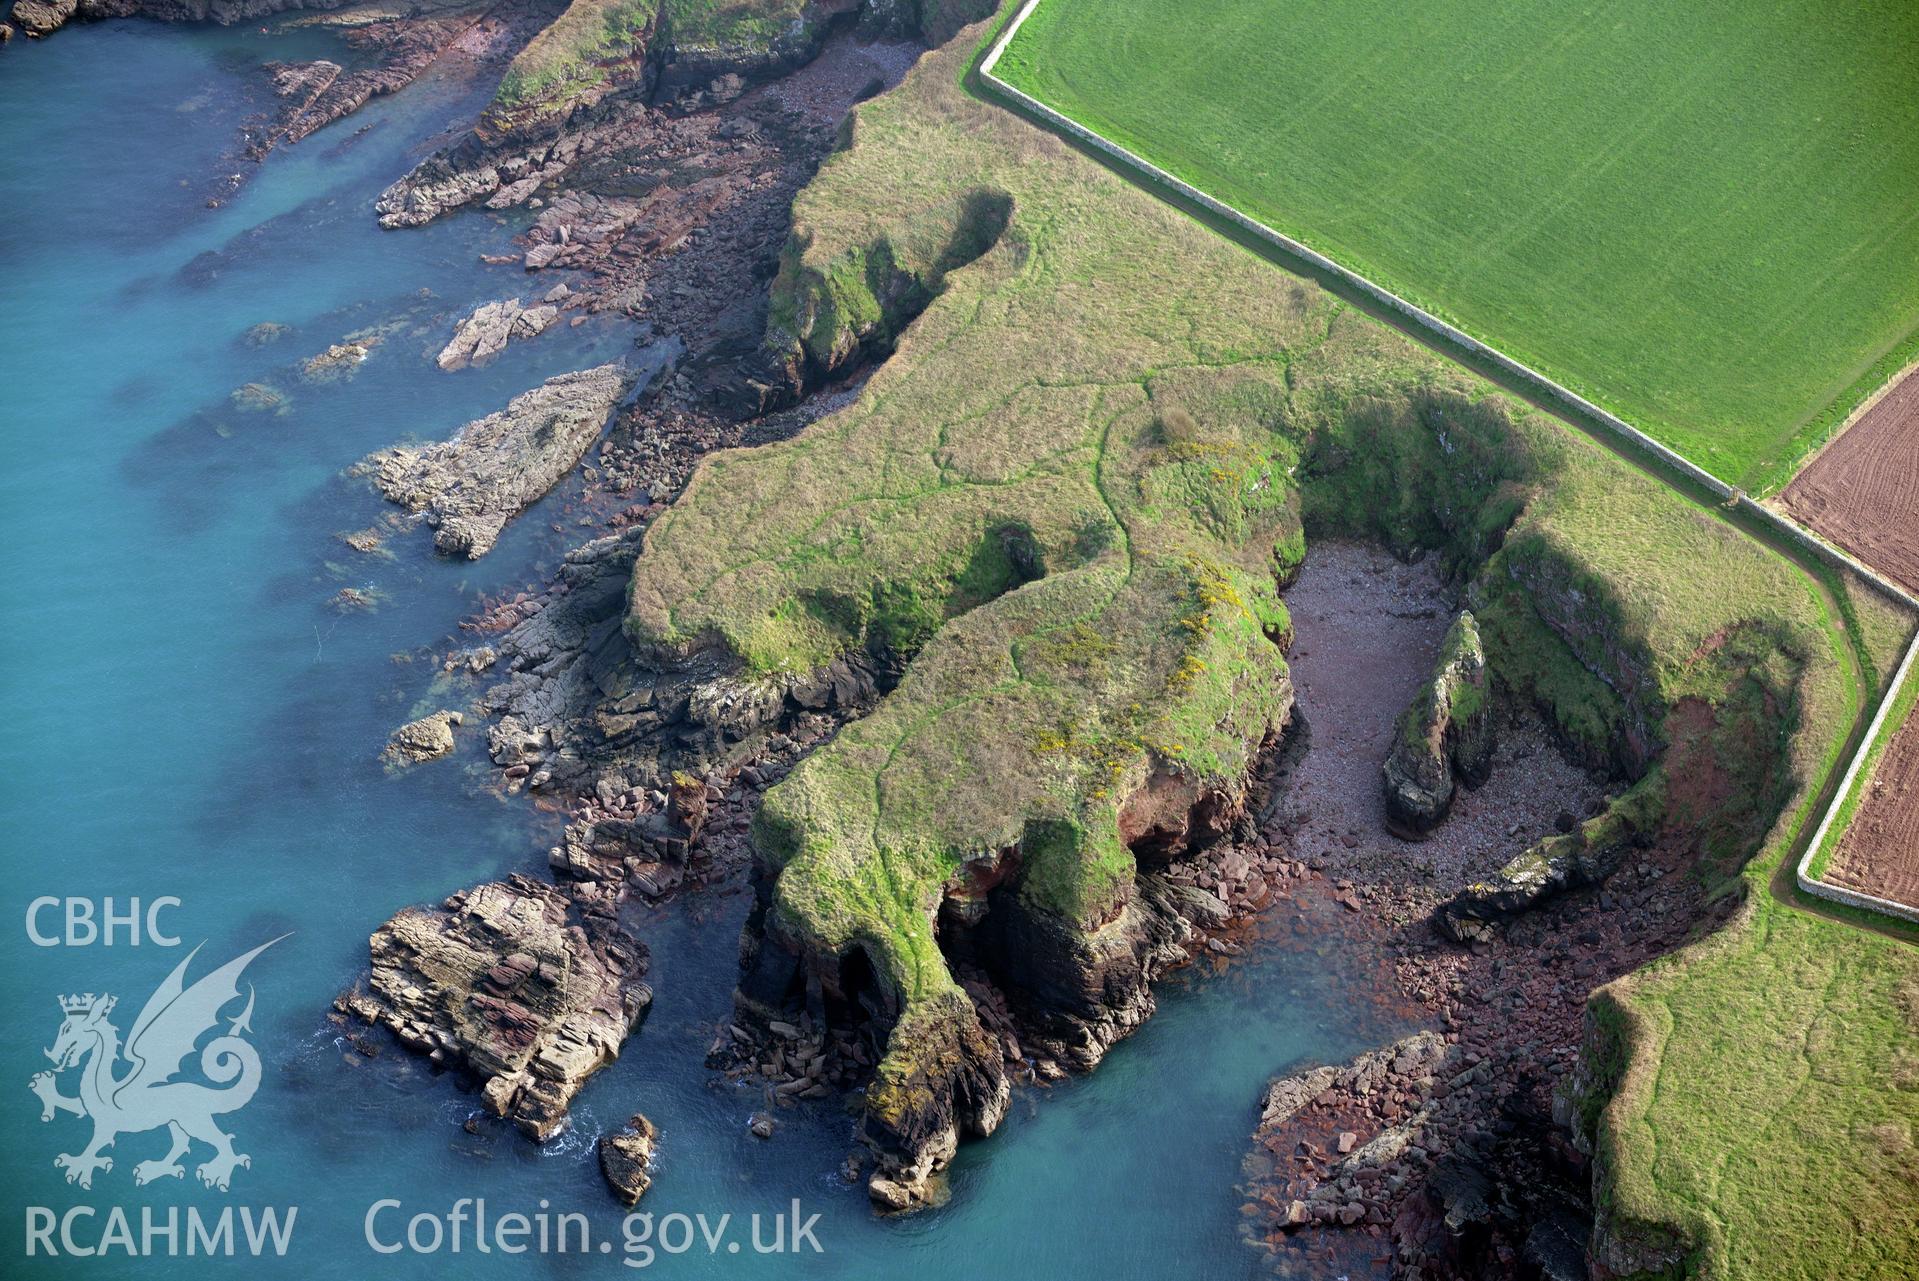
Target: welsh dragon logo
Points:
(145, 1096)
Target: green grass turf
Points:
(1769, 1114)
(1703, 216)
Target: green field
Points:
(1703, 216)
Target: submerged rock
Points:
(484, 334)
(426, 739)
(259, 398)
(391, 51)
(265, 334)
(366, 541)
(626, 1159)
(356, 600)
(510, 982)
(1445, 734)
(337, 363)
(498, 466)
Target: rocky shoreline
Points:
(395, 51)
(657, 771)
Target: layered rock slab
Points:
(508, 981)
(494, 468)
(485, 333)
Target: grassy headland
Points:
(1767, 1105)
(597, 45)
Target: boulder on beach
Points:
(1587, 855)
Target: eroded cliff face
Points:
(830, 315)
(1040, 983)
(1620, 1248)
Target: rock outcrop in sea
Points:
(492, 469)
(485, 333)
(512, 983)
(626, 1159)
(426, 739)
(392, 47)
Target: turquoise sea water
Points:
(188, 715)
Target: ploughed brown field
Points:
(1879, 853)
(1863, 491)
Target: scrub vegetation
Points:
(1700, 216)
(574, 52)
(1072, 495)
